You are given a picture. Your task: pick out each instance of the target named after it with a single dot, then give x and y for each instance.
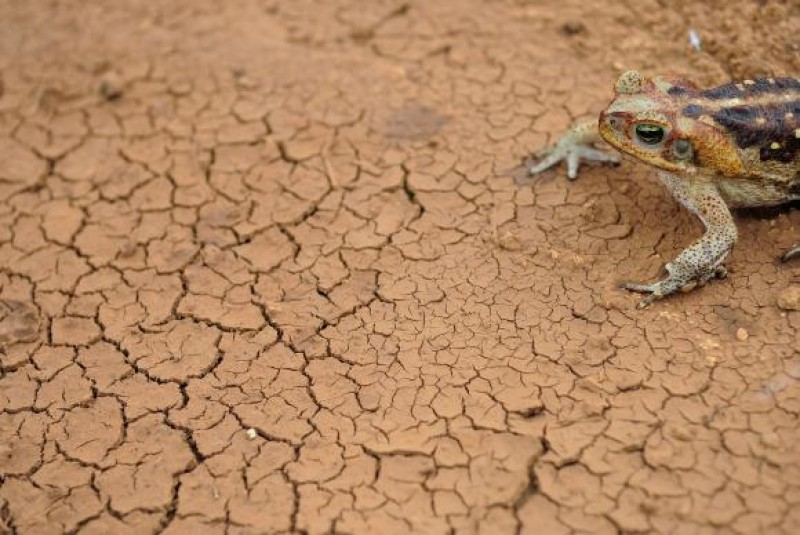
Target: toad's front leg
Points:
(576, 145)
(703, 259)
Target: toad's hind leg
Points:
(702, 260)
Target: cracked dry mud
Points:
(261, 272)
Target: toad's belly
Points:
(743, 193)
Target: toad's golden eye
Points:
(649, 134)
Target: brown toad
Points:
(736, 145)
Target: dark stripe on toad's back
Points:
(742, 123)
(722, 92)
(752, 87)
(771, 85)
(783, 151)
(788, 83)
(763, 125)
(679, 91)
(777, 85)
(770, 127)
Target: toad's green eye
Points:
(649, 134)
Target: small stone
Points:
(573, 28)
(789, 298)
(111, 86)
(509, 242)
(181, 88)
(128, 249)
(252, 434)
(742, 335)
(648, 507)
(682, 433)
(771, 439)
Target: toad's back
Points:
(761, 118)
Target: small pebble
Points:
(573, 27)
(128, 249)
(742, 335)
(682, 433)
(181, 88)
(252, 434)
(771, 439)
(111, 86)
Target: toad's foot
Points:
(574, 146)
(671, 284)
(791, 253)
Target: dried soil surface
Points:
(261, 272)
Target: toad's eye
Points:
(649, 134)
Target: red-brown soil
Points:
(261, 272)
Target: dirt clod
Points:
(789, 298)
(19, 322)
